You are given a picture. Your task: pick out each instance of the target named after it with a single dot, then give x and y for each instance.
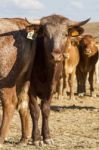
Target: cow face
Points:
(88, 45)
(56, 31)
(54, 39)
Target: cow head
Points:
(88, 45)
(55, 29)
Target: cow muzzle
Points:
(88, 52)
(57, 56)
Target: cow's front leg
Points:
(71, 85)
(60, 89)
(45, 108)
(35, 113)
(65, 84)
(9, 102)
(91, 74)
(80, 83)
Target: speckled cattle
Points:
(16, 57)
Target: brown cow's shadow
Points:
(72, 107)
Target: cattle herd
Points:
(37, 59)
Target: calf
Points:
(71, 59)
(88, 58)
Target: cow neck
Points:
(46, 70)
(53, 70)
(56, 75)
(45, 74)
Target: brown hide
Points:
(16, 56)
(47, 69)
(88, 58)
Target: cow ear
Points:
(32, 31)
(75, 31)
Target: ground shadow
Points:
(59, 108)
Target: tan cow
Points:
(71, 59)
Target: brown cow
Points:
(88, 58)
(16, 57)
(47, 69)
(71, 60)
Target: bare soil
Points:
(74, 125)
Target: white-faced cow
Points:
(88, 58)
(47, 68)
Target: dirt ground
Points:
(74, 125)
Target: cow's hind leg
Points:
(71, 85)
(91, 74)
(24, 112)
(45, 108)
(81, 78)
(35, 113)
(9, 102)
(60, 89)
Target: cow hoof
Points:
(6, 139)
(30, 142)
(93, 95)
(38, 143)
(23, 142)
(41, 143)
(49, 141)
(81, 94)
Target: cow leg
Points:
(91, 74)
(60, 89)
(84, 83)
(23, 108)
(71, 84)
(25, 123)
(35, 113)
(80, 83)
(45, 108)
(9, 102)
(65, 84)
